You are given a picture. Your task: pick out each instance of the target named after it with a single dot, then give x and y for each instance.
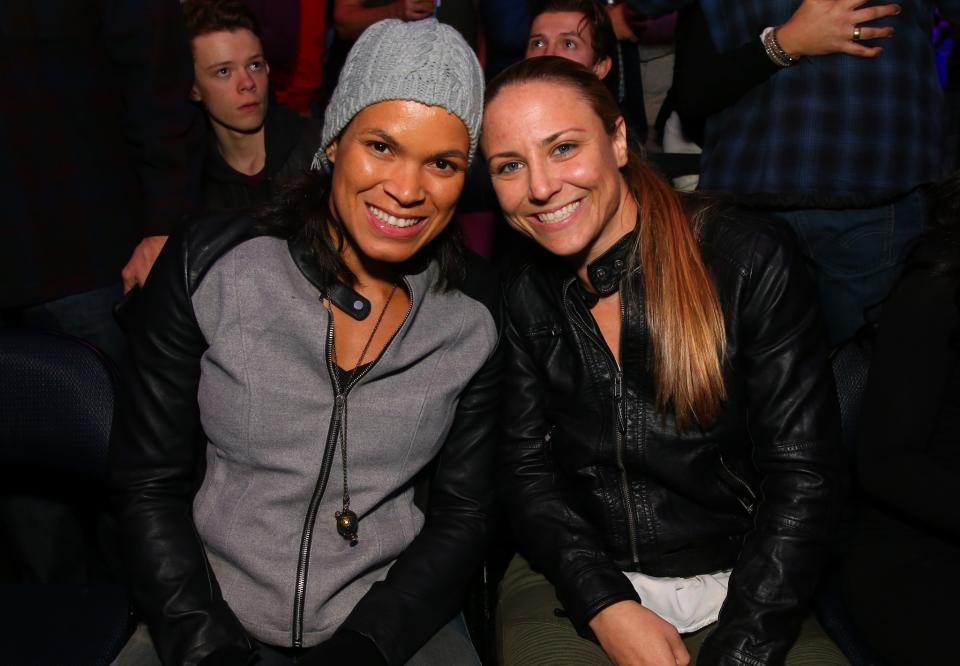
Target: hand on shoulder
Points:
(821, 27)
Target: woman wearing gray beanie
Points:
(298, 375)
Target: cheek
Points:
(446, 193)
(509, 194)
(357, 171)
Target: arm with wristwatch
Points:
(706, 81)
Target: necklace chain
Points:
(347, 521)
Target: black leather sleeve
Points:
(425, 586)
(156, 461)
(706, 82)
(794, 424)
(564, 545)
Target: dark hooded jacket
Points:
(291, 142)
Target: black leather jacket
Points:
(157, 458)
(597, 481)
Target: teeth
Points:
(400, 222)
(558, 215)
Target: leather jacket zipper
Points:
(621, 424)
(330, 449)
(747, 506)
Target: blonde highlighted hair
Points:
(682, 308)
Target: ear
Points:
(331, 151)
(195, 93)
(620, 149)
(602, 68)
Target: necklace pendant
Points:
(347, 525)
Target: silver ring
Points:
(856, 34)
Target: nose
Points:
(543, 185)
(245, 81)
(404, 184)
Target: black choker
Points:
(349, 301)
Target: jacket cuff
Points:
(594, 591)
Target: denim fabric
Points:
(87, 315)
(856, 255)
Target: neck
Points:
(245, 152)
(374, 279)
(619, 225)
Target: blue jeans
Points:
(856, 254)
(87, 315)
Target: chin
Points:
(386, 250)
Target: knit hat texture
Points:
(424, 61)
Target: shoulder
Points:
(292, 139)
(744, 241)
(207, 238)
(530, 270)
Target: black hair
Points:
(603, 39)
(302, 208)
(206, 16)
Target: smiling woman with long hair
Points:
(670, 461)
(295, 377)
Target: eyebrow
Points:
(218, 65)
(559, 34)
(446, 154)
(546, 141)
(388, 138)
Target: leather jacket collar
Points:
(606, 271)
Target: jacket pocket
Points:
(543, 339)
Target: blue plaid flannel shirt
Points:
(831, 131)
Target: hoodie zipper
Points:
(621, 425)
(330, 449)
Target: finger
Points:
(873, 13)
(680, 653)
(874, 33)
(128, 279)
(854, 49)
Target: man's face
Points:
(567, 35)
(230, 79)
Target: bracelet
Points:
(774, 51)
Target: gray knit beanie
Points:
(424, 61)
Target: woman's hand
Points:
(632, 635)
(821, 27)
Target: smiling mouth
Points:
(392, 220)
(560, 214)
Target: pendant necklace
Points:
(347, 520)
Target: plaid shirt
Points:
(98, 143)
(831, 131)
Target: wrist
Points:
(773, 48)
(787, 38)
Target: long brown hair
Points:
(681, 304)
